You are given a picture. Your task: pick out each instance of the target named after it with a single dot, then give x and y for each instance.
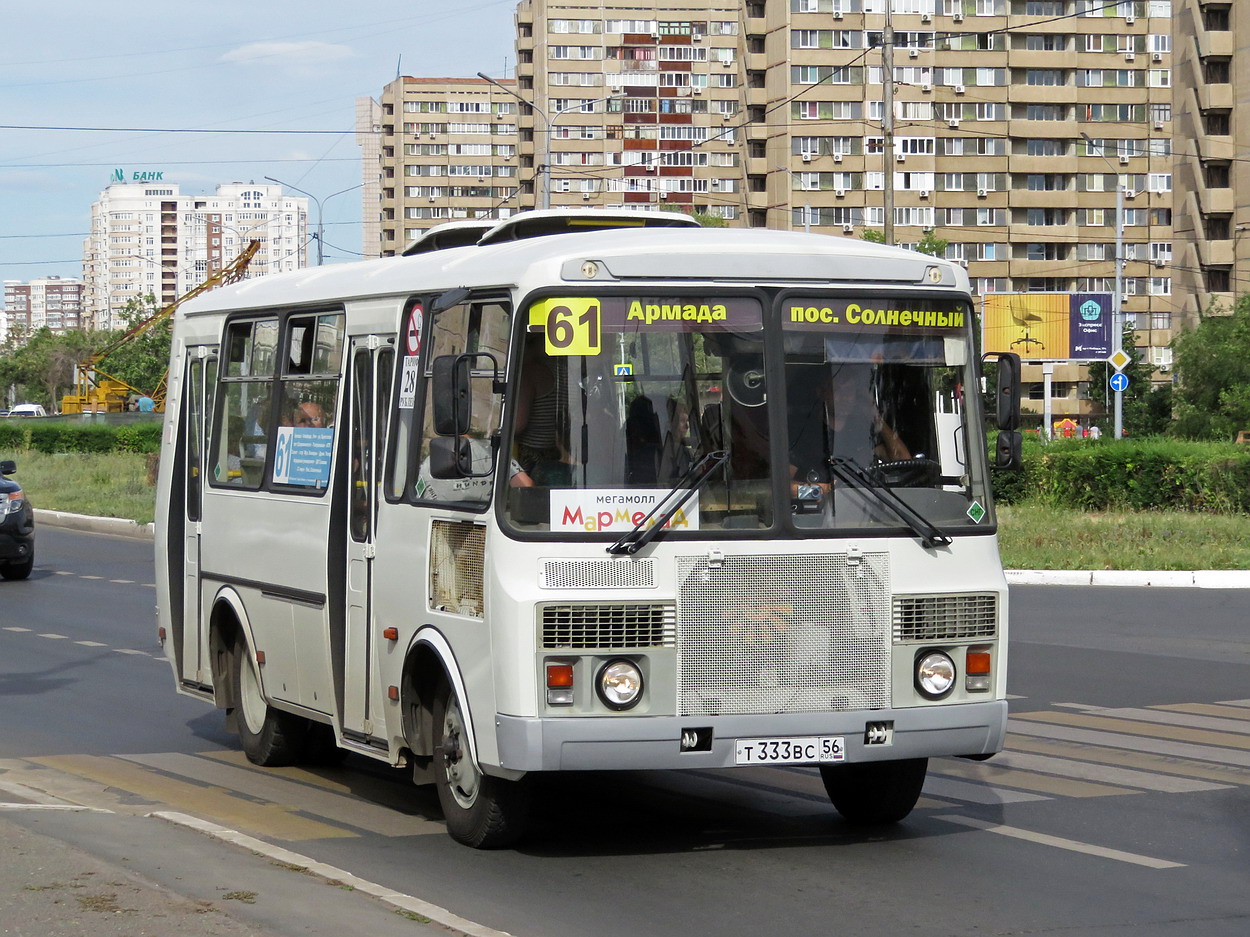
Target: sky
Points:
(280, 67)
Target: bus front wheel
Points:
(481, 811)
(270, 737)
(875, 793)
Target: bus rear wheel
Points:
(875, 793)
(481, 811)
(270, 737)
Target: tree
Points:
(1212, 364)
(929, 244)
(1146, 408)
(42, 369)
(141, 362)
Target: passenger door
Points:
(371, 364)
(201, 376)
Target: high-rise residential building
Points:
(1018, 127)
(49, 302)
(447, 149)
(1212, 87)
(150, 239)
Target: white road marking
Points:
(1136, 743)
(1091, 771)
(91, 644)
(386, 895)
(127, 650)
(55, 637)
(15, 628)
(1059, 842)
(975, 793)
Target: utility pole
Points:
(887, 122)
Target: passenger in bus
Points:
(678, 453)
(835, 416)
(538, 406)
(308, 414)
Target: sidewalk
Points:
(67, 871)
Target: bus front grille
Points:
(770, 634)
(924, 618)
(616, 625)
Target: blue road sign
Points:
(1119, 381)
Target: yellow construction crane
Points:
(95, 390)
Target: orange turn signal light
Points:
(559, 676)
(977, 661)
(391, 634)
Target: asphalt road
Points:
(1122, 804)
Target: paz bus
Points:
(591, 491)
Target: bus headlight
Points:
(935, 674)
(619, 684)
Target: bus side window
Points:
(245, 419)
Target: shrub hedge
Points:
(76, 437)
(1141, 475)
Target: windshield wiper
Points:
(641, 535)
(853, 474)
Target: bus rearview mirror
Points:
(451, 457)
(1007, 451)
(1007, 394)
(452, 401)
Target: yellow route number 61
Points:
(571, 325)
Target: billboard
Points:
(1048, 326)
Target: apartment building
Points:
(150, 239)
(447, 150)
(1212, 198)
(1014, 124)
(49, 302)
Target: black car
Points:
(17, 527)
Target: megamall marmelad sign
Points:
(595, 510)
(119, 175)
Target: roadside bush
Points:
(51, 438)
(1142, 475)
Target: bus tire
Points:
(481, 811)
(270, 737)
(875, 793)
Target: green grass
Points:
(1031, 535)
(1040, 536)
(112, 484)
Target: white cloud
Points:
(297, 57)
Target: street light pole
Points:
(320, 202)
(549, 122)
(1117, 300)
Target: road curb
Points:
(1168, 579)
(118, 526)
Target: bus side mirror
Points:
(451, 457)
(1007, 396)
(453, 406)
(1007, 454)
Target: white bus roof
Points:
(674, 255)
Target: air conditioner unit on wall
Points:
(924, 193)
(960, 89)
(957, 17)
(839, 193)
(837, 157)
(1157, 57)
(1129, 56)
(848, 228)
(1123, 160)
(953, 122)
(807, 157)
(983, 193)
(837, 14)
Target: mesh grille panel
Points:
(945, 617)
(607, 626)
(598, 574)
(457, 558)
(766, 634)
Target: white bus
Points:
(656, 496)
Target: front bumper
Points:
(654, 742)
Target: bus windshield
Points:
(618, 396)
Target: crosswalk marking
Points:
(1061, 842)
(975, 793)
(1209, 709)
(1134, 742)
(1165, 765)
(268, 819)
(998, 772)
(1128, 777)
(1189, 720)
(273, 784)
(1155, 731)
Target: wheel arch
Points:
(228, 629)
(429, 663)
